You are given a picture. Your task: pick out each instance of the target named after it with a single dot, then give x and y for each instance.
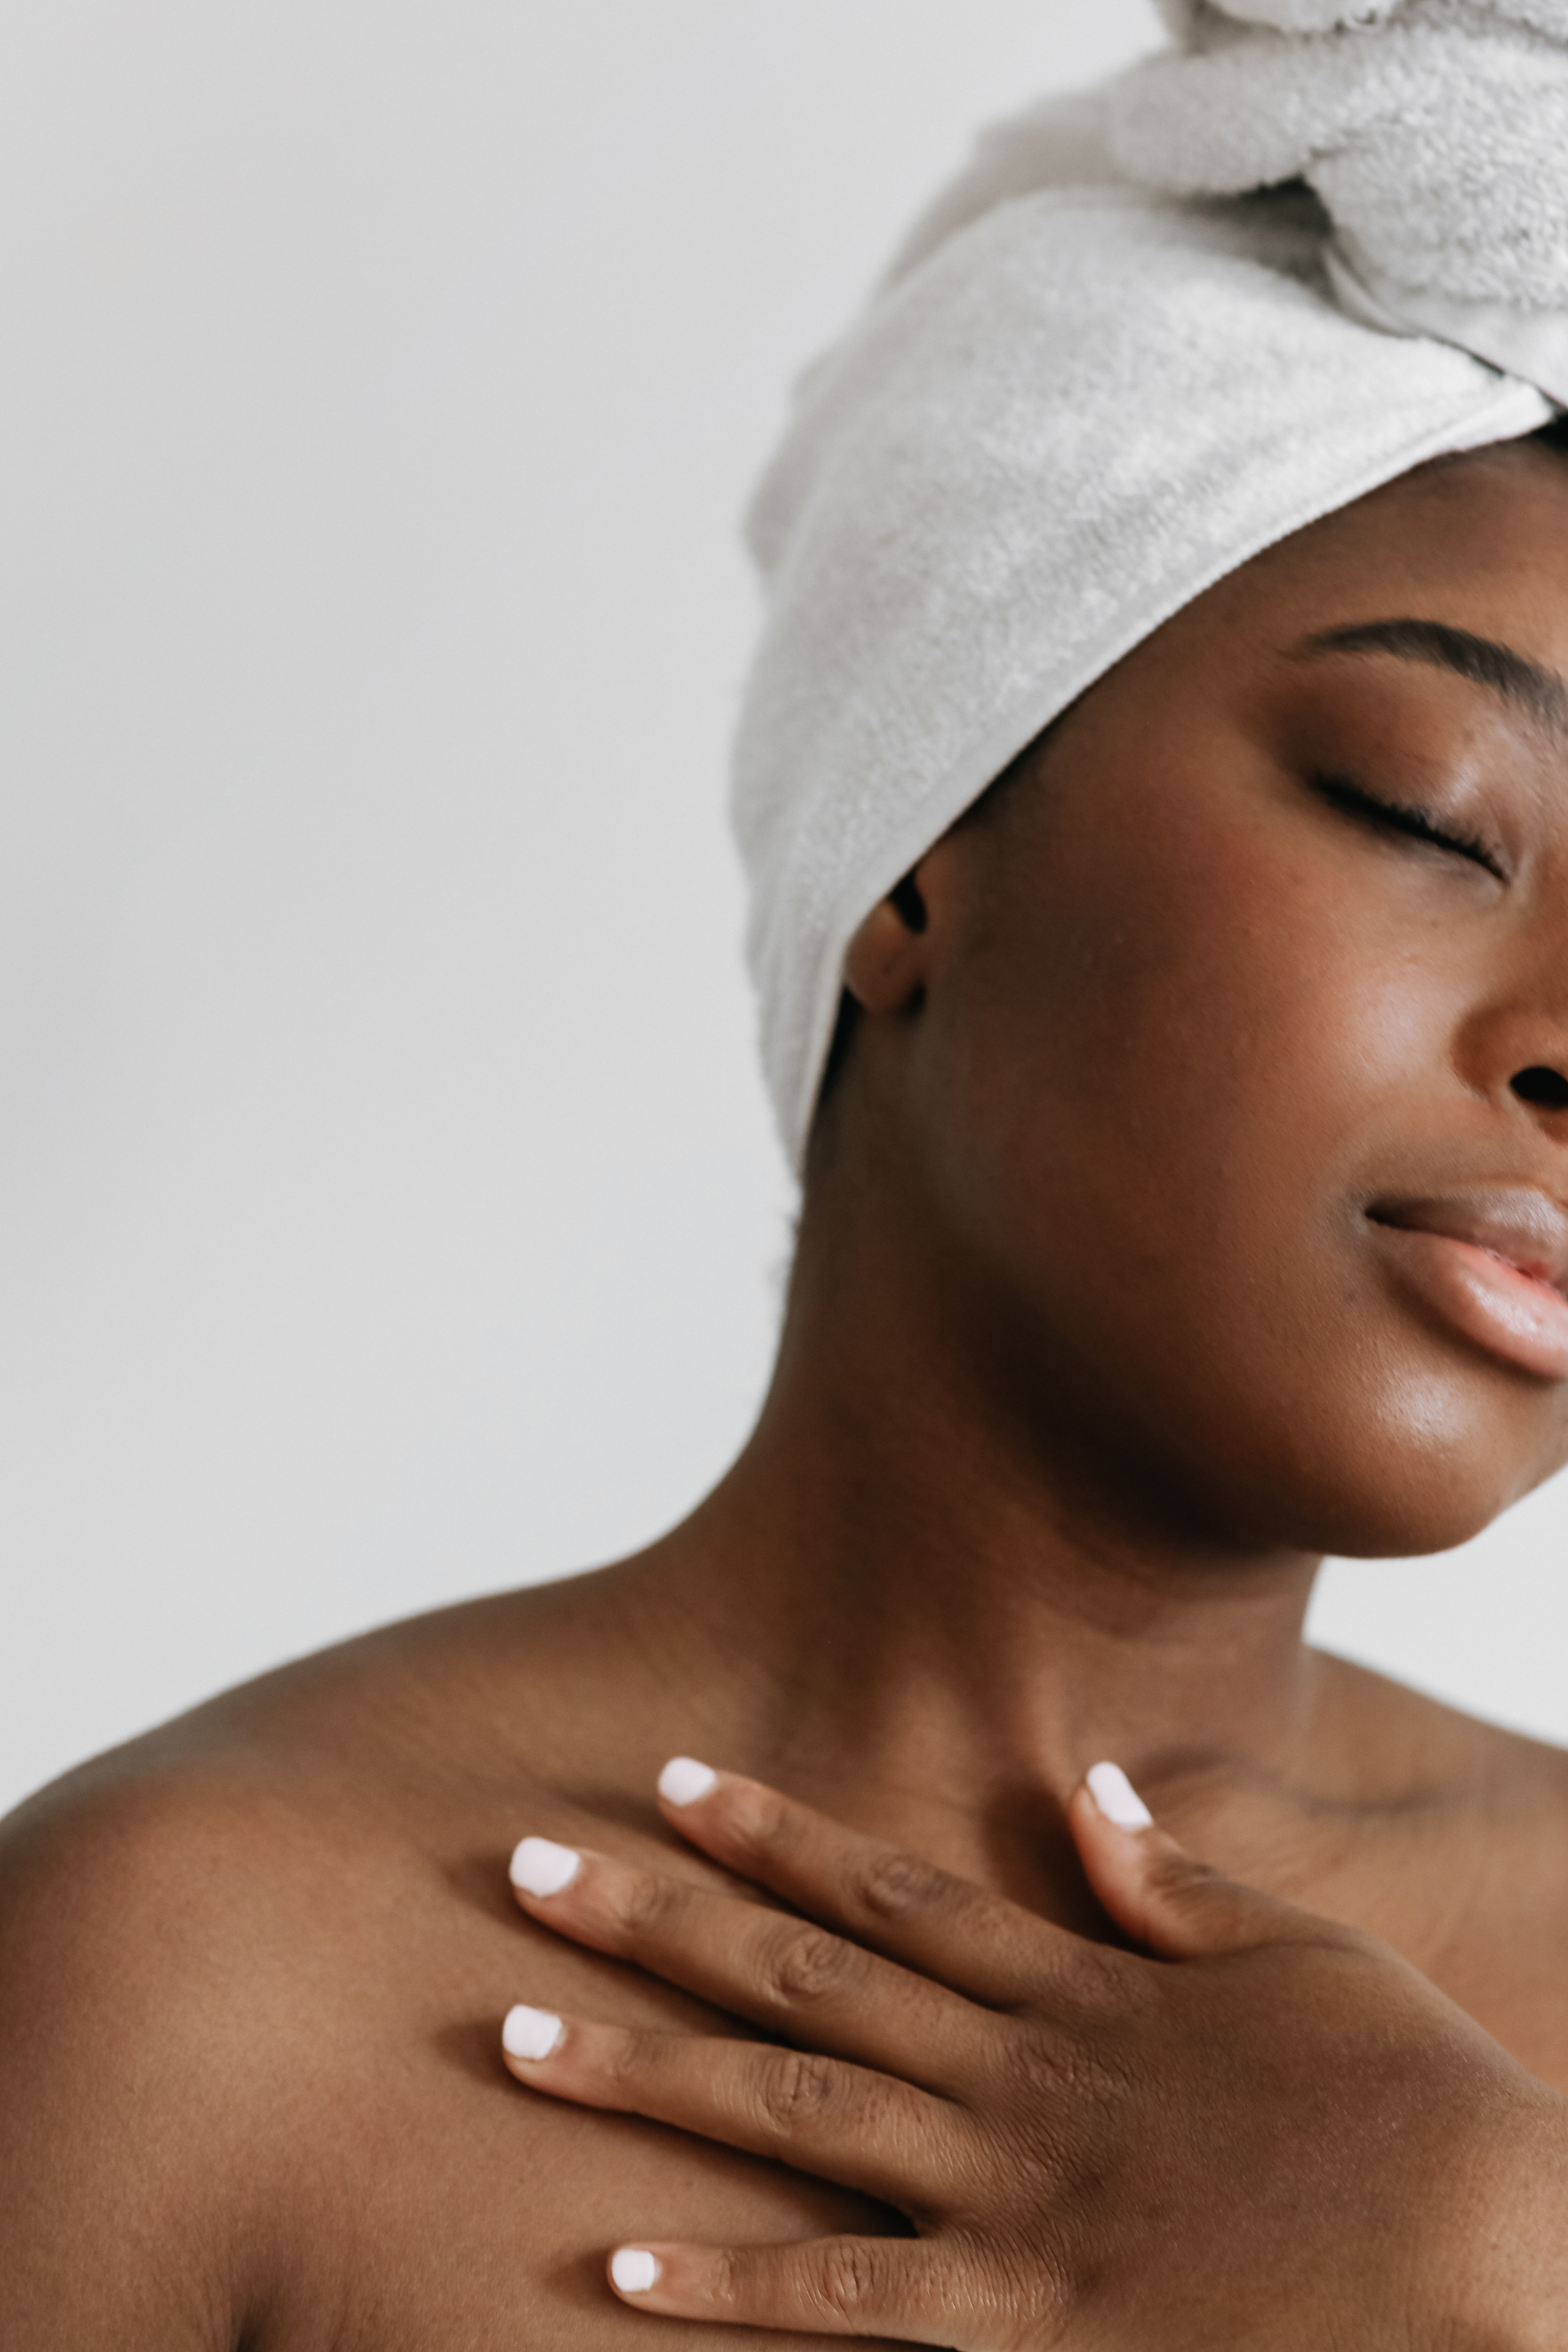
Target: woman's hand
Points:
(1272, 2133)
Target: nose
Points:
(1540, 1085)
(1512, 1045)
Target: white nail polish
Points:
(540, 1866)
(683, 1780)
(634, 2269)
(531, 2033)
(1117, 1798)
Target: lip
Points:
(1493, 1263)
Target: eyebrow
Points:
(1541, 694)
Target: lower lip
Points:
(1507, 1313)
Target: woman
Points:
(1185, 1195)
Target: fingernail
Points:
(1117, 1798)
(681, 1782)
(540, 1866)
(531, 2033)
(633, 2268)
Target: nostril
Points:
(1540, 1085)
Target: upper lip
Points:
(1516, 1222)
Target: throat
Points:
(947, 1688)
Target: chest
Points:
(436, 2205)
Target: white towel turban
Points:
(1099, 377)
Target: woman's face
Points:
(1239, 1091)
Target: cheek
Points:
(1171, 1116)
(1205, 1021)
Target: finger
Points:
(944, 1928)
(1163, 1896)
(842, 2122)
(902, 2290)
(782, 1972)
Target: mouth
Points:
(1493, 1263)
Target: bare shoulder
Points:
(1456, 1851)
(197, 1936)
(127, 1999)
(1437, 1755)
(253, 1971)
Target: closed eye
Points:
(1397, 816)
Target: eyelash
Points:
(1417, 823)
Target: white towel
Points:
(1075, 405)
(1435, 132)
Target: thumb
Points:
(1174, 1905)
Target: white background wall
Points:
(388, 1208)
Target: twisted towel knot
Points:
(1433, 131)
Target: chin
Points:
(1394, 1527)
(1440, 1461)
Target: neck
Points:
(897, 1593)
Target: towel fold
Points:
(1435, 132)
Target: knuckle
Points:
(1092, 2077)
(758, 1820)
(795, 2087)
(849, 2275)
(1056, 2070)
(641, 1901)
(1175, 1872)
(802, 1964)
(1028, 2289)
(730, 2283)
(1101, 1968)
(628, 2058)
(890, 1884)
(1100, 1981)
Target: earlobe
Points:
(885, 963)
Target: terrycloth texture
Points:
(1435, 132)
(1075, 406)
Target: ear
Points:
(885, 966)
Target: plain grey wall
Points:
(388, 1207)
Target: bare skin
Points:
(1255, 2125)
(1093, 1347)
